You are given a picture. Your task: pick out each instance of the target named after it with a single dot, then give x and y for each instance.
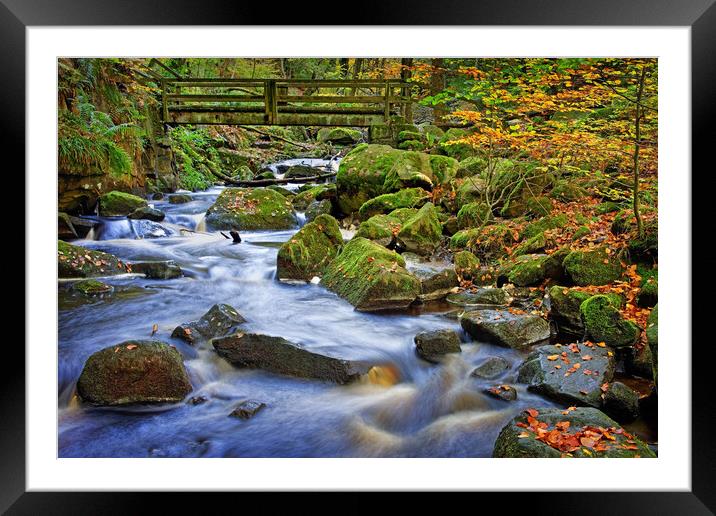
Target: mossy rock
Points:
(179, 198)
(135, 371)
(283, 191)
(383, 228)
(78, 262)
(119, 204)
(307, 253)
(147, 213)
(622, 223)
(243, 173)
(251, 209)
(595, 267)
(339, 135)
(505, 328)
(607, 207)
(474, 214)
(533, 245)
(368, 171)
(604, 323)
(510, 444)
(567, 191)
(408, 198)
(544, 224)
(412, 145)
(645, 247)
(371, 277)
(317, 208)
(649, 291)
(565, 309)
(449, 145)
(532, 269)
(471, 166)
(581, 232)
(539, 206)
(302, 200)
(467, 265)
(565, 383)
(432, 345)
(422, 232)
(487, 243)
(92, 287)
(404, 136)
(470, 189)
(621, 402)
(652, 337)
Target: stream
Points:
(432, 411)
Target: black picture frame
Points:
(700, 15)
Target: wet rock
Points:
(407, 198)
(480, 297)
(649, 292)
(92, 287)
(382, 228)
(251, 209)
(517, 440)
(82, 226)
(115, 204)
(301, 171)
(371, 277)
(491, 368)
(135, 371)
(157, 196)
(180, 198)
(638, 361)
(217, 322)
(197, 400)
(313, 193)
(78, 262)
(604, 323)
(564, 309)
(421, 233)
(147, 213)
(317, 208)
(504, 328)
(571, 374)
(277, 355)
(436, 285)
(502, 392)
(621, 402)
(473, 214)
(430, 345)
(167, 269)
(308, 252)
(247, 409)
(597, 267)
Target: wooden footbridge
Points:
(307, 102)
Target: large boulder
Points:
(371, 170)
(135, 371)
(473, 214)
(119, 204)
(277, 355)
(570, 374)
(251, 209)
(596, 267)
(422, 232)
(315, 193)
(621, 402)
(544, 224)
(166, 269)
(339, 135)
(386, 203)
(480, 297)
(436, 285)
(371, 277)
(384, 228)
(604, 323)
(218, 321)
(431, 345)
(317, 208)
(584, 432)
(147, 213)
(505, 328)
(491, 368)
(307, 253)
(302, 171)
(78, 262)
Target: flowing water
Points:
(432, 411)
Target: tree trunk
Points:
(637, 139)
(405, 74)
(437, 85)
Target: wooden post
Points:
(271, 107)
(388, 89)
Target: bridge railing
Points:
(282, 101)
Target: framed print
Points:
(416, 253)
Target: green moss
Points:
(470, 189)
(596, 267)
(565, 310)
(380, 228)
(316, 193)
(444, 169)
(529, 270)
(581, 232)
(371, 277)
(471, 166)
(467, 265)
(652, 336)
(309, 251)
(404, 136)
(545, 223)
(532, 245)
(408, 198)
(413, 145)
(539, 206)
(339, 135)
(251, 209)
(488, 243)
(114, 203)
(474, 214)
(422, 232)
(607, 207)
(567, 192)
(78, 262)
(649, 291)
(450, 146)
(645, 247)
(92, 287)
(604, 323)
(621, 223)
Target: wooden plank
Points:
(215, 98)
(287, 119)
(336, 99)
